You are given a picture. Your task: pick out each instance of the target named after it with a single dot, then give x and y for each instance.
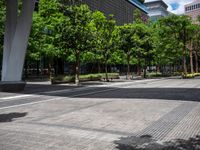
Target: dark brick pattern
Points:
(121, 9)
(160, 128)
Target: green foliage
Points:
(78, 35)
(172, 32)
(136, 42)
(44, 34)
(87, 77)
(76, 31)
(2, 22)
(189, 76)
(106, 39)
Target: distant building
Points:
(157, 9)
(122, 10)
(193, 10)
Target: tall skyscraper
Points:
(193, 10)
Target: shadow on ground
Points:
(181, 94)
(9, 117)
(146, 142)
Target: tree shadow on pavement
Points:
(9, 117)
(120, 92)
(146, 142)
(181, 94)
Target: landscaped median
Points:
(88, 77)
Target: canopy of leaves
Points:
(172, 32)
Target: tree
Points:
(44, 38)
(109, 36)
(196, 45)
(77, 34)
(129, 41)
(99, 21)
(173, 33)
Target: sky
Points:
(175, 6)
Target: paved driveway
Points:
(116, 115)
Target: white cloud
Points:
(181, 3)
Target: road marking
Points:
(15, 97)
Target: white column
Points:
(10, 27)
(15, 61)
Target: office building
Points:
(157, 9)
(193, 10)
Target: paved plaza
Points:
(102, 116)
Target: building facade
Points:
(122, 10)
(193, 10)
(157, 9)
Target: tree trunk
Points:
(157, 68)
(99, 67)
(128, 67)
(139, 68)
(196, 63)
(184, 65)
(49, 70)
(145, 70)
(191, 59)
(77, 68)
(106, 71)
(38, 68)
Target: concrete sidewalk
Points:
(102, 121)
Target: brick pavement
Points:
(96, 121)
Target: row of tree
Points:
(76, 34)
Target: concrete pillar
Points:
(10, 27)
(17, 31)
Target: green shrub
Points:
(156, 74)
(87, 77)
(188, 76)
(177, 73)
(196, 74)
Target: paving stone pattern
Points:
(165, 109)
